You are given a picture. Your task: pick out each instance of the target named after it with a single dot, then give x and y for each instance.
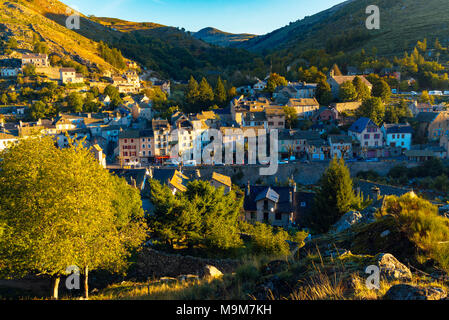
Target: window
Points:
(265, 216)
(265, 205)
(366, 136)
(376, 136)
(303, 204)
(143, 153)
(278, 216)
(143, 146)
(253, 216)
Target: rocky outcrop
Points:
(352, 218)
(212, 272)
(391, 268)
(347, 221)
(410, 292)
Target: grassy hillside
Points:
(170, 51)
(221, 38)
(20, 20)
(342, 27)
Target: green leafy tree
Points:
(348, 92)
(29, 70)
(232, 93)
(382, 90)
(40, 47)
(324, 93)
(206, 93)
(275, 80)
(335, 196)
(374, 109)
(75, 102)
(4, 99)
(291, 117)
(38, 110)
(63, 209)
(220, 93)
(426, 97)
(192, 91)
(202, 216)
(362, 90)
(12, 43)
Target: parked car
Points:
(190, 163)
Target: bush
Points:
(420, 221)
(266, 240)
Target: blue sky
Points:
(237, 16)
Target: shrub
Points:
(266, 240)
(422, 224)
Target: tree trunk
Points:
(56, 287)
(86, 283)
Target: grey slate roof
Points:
(269, 194)
(426, 116)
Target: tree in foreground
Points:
(59, 208)
(335, 196)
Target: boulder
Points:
(347, 221)
(391, 268)
(212, 272)
(411, 292)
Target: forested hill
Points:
(221, 38)
(173, 52)
(342, 28)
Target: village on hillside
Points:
(157, 166)
(132, 140)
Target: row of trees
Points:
(111, 55)
(199, 97)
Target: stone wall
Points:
(305, 174)
(152, 264)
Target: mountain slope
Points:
(170, 51)
(342, 27)
(20, 20)
(221, 38)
